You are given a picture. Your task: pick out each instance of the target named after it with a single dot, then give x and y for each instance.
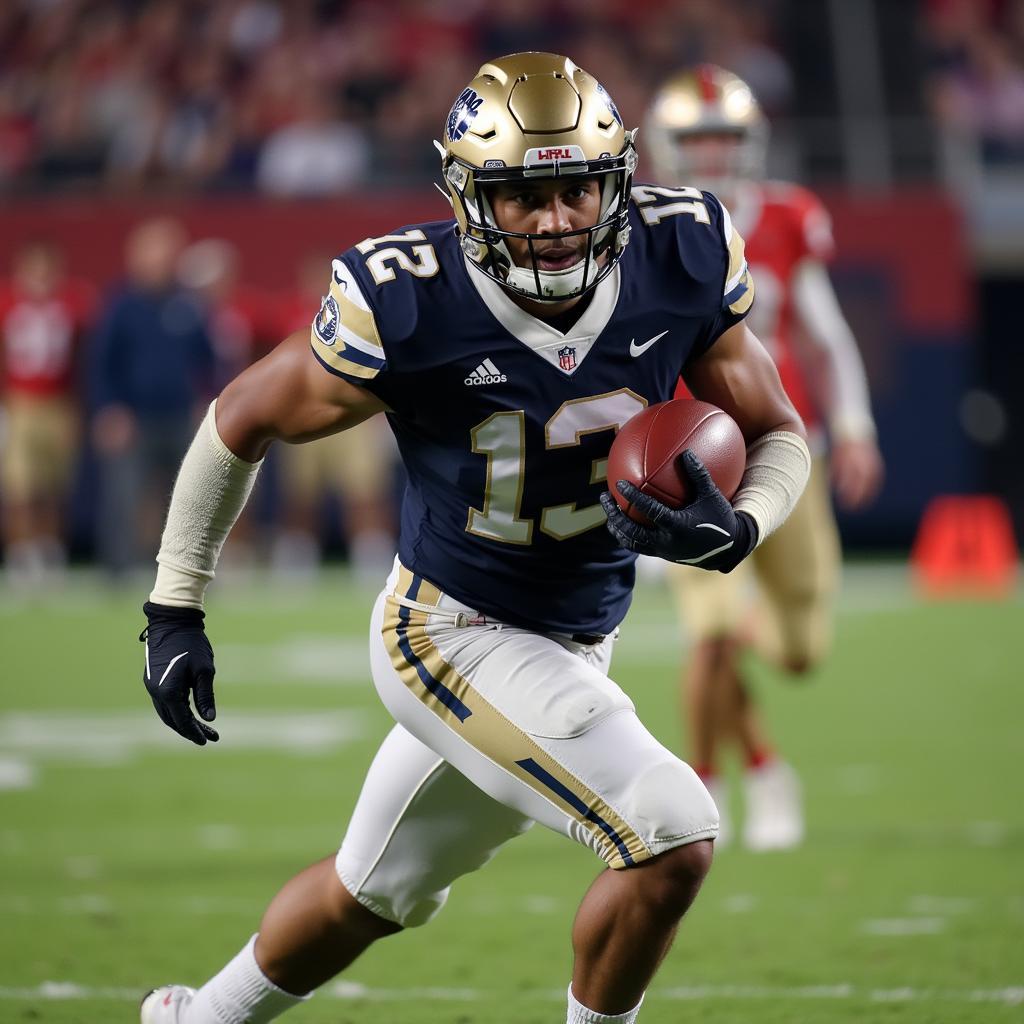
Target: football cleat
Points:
(774, 808)
(166, 1005)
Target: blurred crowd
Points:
(975, 51)
(118, 383)
(308, 97)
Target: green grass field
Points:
(129, 858)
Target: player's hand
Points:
(708, 533)
(857, 471)
(179, 662)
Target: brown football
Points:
(646, 452)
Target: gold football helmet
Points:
(528, 116)
(704, 102)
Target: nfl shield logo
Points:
(567, 358)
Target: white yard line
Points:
(114, 736)
(1010, 995)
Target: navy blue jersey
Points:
(503, 422)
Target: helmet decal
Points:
(462, 114)
(609, 102)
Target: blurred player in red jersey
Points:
(705, 128)
(43, 315)
(356, 465)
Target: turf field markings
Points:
(903, 926)
(941, 906)
(987, 833)
(740, 903)
(16, 773)
(87, 903)
(308, 658)
(219, 837)
(116, 737)
(1009, 995)
(356, 990)
(541, 904)
(81, 868)
(859, 779)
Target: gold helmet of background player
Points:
(705, 101)
(529, 116)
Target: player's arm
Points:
(285, 396)
(856, 462)
(737, 375)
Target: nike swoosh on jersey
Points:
(638, 350)
(171, 665)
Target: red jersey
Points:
(783, 225)
(39, 338)
(296, 310)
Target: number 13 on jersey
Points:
(502, 439)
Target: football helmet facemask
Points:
(706, 102)
(530, 116)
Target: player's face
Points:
(710, 157)
(549, 207)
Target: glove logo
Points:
(170, 665)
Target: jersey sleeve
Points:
(814, 225)
(737, 285)
(344, 336)
(738, 291)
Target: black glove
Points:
(708, 533)
(179, 660)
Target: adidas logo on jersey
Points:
(486, 373)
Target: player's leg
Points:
(295, 552)
(57, 454)
(711, 609)
(19, 488)
(417, 826)
(626, 924)
(536, 723)
(798, 572)
(797, 569)
(363, 475)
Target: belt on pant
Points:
(463, 618)
(589, 639)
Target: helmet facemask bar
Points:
(607, 236)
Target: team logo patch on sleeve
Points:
(462, 115)
(326, 323)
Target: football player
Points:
(705, 127)
(506, 346)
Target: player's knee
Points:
(405, 901)
(804, 652)
(676, 875)
(671, 807)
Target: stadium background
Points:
(908, 118)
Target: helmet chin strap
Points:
(553, 283)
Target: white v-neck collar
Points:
(539, 336)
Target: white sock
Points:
(240, 994)
(579, 1014)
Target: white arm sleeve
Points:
(209, 494)
(816, 305)
(778, 466)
